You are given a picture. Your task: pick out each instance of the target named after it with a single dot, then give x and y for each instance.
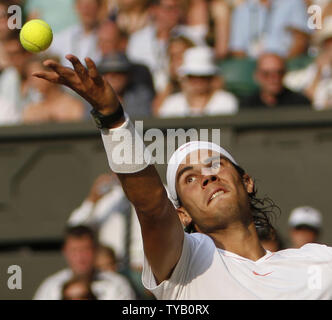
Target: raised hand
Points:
(85, 81)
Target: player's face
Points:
(212, 192)
(80, 254)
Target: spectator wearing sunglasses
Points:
(269, 75)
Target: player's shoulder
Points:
(317, 248)
(310, 250)
(199, 242)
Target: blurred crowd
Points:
(173, 58)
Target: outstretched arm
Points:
(161, 228)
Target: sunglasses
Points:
(269, 73)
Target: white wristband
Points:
(125, 149)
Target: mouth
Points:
(217, 193)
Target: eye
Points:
(190, 179)
(216, 165)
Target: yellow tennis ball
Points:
(36, 36)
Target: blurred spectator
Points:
(80, 252)
(55, 104)
(220, 13)
(149, 45)
(59, 14)
(136, 97)
(112, 40)
(131, 15)
(176, 49)
(278, 26)
(305, 226)
(269, 75)
(106, 259)
(4, 31)
(270, 241)
(316, 79)
(12, 79)
(199, 95)
(81, 39)
(78, 288)
(195, 21)
(107, 209)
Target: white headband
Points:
(180, 154)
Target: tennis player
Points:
(224, 259)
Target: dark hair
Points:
(263, 209)
(79, 279)
(79, 232)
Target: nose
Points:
(208, 179)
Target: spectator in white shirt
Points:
(200, 93)
(80, 39)
(149, 45)
(278, 26)
(12, 81)
(106, 208)
(316, 79)
(79, 251)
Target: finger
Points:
(49, 76)
(57, 67)
(78, 67)
(93, 72)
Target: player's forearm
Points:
(145, 190)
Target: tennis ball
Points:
(36, 36)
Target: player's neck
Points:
(241, 240)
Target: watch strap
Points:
(105, 121)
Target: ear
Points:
(248, 183)
(184, 216)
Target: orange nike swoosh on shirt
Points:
(262, 275)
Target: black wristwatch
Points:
(103, 121)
